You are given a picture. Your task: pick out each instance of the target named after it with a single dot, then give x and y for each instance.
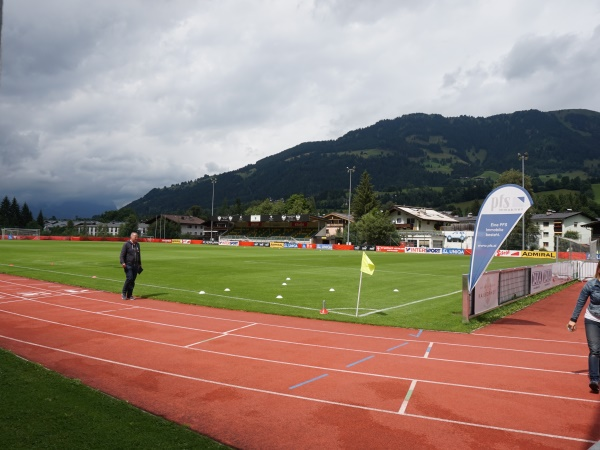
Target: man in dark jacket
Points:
(131, 261)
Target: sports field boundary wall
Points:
(496, 288)
(581, 256)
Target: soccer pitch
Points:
(406, 290)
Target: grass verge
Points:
(42, 409)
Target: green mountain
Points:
(404, 155)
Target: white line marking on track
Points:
(226, 333)
(300, 343)
(298, 397)
(340, 333)
(428, 351)
(241, 328)
(521, 338)
(407, 398)
(207, 340)
(309, 366)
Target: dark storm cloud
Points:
(180, 89)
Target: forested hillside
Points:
(417, 159)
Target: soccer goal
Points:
(21, 233)
(569, 250)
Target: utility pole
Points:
(350, 170)
(213, 180)
(522, 158)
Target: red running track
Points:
(258, 381)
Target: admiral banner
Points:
(499, 214)
(549, 255)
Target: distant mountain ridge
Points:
(414, 150)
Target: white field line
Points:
(411, 303)
(243, 299)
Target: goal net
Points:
(21, 233)
(569, 250)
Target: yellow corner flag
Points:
(367, 265)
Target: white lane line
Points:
(309, 366)
(220, 333)
(428, 351)
(343, 334)
(298, 397)
(408, 396)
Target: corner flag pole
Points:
(366, 266)
(359, 286)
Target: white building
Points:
(188, 225)
(553, 225)
(337, 226)
(421, 227)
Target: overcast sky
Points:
(102, 101)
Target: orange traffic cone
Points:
(324, 310)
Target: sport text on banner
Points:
(501, 211)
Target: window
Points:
(546, 224)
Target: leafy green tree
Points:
(83, 229)
(267, 206)
(4, 211)
(513, 176)
(238, 207)
(195, 211)
(26, 217)
(364, 199)
(40, 220)
(14, 214)
(172, 230)
(375, 228)
(297, 204)
(102, 230)
(120, 215)
(129, 226)
(571, 234)
(224, 208)
(70, 228)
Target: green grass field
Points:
(42, 409)
(406, 290)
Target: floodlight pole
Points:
(350, 170)
(213, 180)
(522, 158)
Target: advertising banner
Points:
(500, 212)
(541, 278)
(549, 255)
(453, 251)
(415, 250)
(486, 296)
